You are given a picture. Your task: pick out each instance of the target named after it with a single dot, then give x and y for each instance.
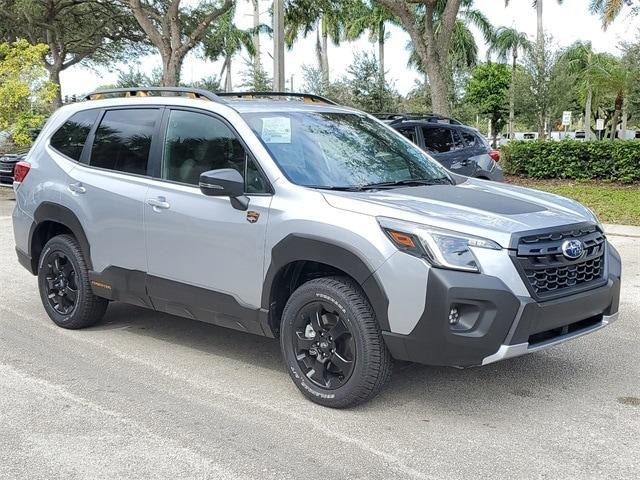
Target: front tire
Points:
(331, 343)
(65, 290)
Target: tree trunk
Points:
(57, 59)
(54, 77)
(171, 66)
(540, 30)
(614, 124)
(432, 42)
(381, 61)
(616, 115)
(439, 88)
(256, 34)
(228, 84)
(325, 53)
(319, 50)
(587, 115)
(540, 54)
(512, 96)
(381, 33)
(625, 106)
(541, 126)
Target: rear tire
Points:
(332, 345)
(65, 289)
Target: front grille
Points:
(547, 273)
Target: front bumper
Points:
(494, 324)
(511, 351)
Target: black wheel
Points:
(65, 290)
(332, 345)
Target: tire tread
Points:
(91, 308)
(378, 361)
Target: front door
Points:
(205, 258)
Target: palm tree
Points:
(584, 64)
(613, 75)
(371, 17)
(256, 31)
(540, 54)
(226, 41)
(509, 41)
(608, 10)
(463, 51)
(538, 4)
(326, 17)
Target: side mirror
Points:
(225, 182)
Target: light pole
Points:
(278, 45)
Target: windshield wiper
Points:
(411, 182)
(352, 188)
(408, 183)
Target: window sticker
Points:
(276, 130)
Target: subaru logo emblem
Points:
(572, 249)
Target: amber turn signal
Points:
(402, 239)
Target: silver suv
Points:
(295, 218)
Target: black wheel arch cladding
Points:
(49, 213)
(296, 248)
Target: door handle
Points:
(159, 203)
(77, 188)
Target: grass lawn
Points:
(613, 203)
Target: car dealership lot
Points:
(149, 395)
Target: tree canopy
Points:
(74, 31)
(175, 29)
(25, 91)
(487, 90)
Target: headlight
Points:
(441, 248)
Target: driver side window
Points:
(196, 143)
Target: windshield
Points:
(341, 150)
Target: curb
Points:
(621, 230)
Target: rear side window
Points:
(468, 138)
(123, 140)
(438, 139)
(70, 138)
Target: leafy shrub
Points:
(602, 160)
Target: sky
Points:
(565, 23)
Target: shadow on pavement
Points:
(204, 337)
(447, 390)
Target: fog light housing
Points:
(464, 318)
(454, 315)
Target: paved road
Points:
(147, 395)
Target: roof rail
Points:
(306, 97)
(148, 91)
(393, 118)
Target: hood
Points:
(478, 207)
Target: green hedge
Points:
(603, 160)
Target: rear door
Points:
(110, 190)
(205, 257)
(444, 144)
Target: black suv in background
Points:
(7, 165)
(460, 148)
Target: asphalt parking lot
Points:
(147, 395)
